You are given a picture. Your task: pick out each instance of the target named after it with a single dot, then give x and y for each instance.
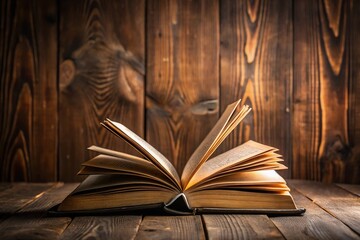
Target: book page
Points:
(204, 150)
(255, 163)
(120, 166)
(115, 153)
(233, 123)
(124, 200)
(234, 199)
(145, 148)
(108, 183)
(268, 179)
(265, 158)
(227, 159)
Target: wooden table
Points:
(333, 212)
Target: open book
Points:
(242, 179)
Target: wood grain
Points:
(240, 227)
(182, 84)
(19, 195)
(67, 65)
(338, 202)
(353, 165)
(33, 218)
(4, 186)
(354, 189)
(256, 66)
(307, 115)
(322, 219)
(321, 74)
(103, 227)
(101, 74)
(167, 227)
(316, 223)
(28, 96)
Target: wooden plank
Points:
(182, 85)
(240, 227)
(101, 74)
(321, 73)
(338, 202)
(32, 222)
(316, 223)
(171, 227)
(354, 189)
(4, 186)
(256, 66)
(103, 227)
(50, 198)
(19, 195)
(306, 87)
(353, 166)
(28, 95)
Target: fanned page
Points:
(112, 183)
(237, 155)
(263, 180)
(144, 148)
(115, 153)
(227, 122)
(105, 164)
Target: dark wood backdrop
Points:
(167, 69)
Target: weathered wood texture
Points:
(331, 213)
(167, 227)
(101, 74)
(353, 167)
(28, 95)
(103, 227)
(19, 195)
(325, 114)
(338, 202)
(354, 189)
(316, 223)
(167, 69)
(240, 227)
(182, 81)
(256, 66)
(31, 222)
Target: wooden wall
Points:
(167, 69)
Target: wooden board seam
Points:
(327, 211)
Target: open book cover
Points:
(241, 180)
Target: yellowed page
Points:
(115, 200)
(204, 150)
(115, 153)
(254, 162)
(274, 164)
(115, 165)
(235, 199)
(99, 183)
(227, 159)
(235, 119)
(232, 125)
(265, 188)
(234, 171)
(122, 164)
(86, 170)
(264, 178)
(149, 151)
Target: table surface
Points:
(333, 212)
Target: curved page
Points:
(205, 149)
(227, 159)
(145, 148)
(119, 166)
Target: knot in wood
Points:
(67, 72)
